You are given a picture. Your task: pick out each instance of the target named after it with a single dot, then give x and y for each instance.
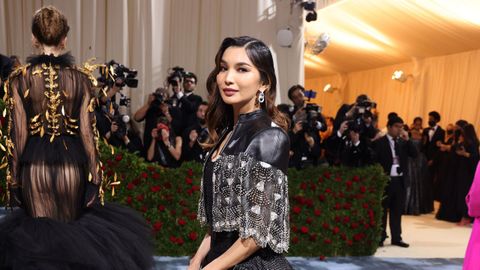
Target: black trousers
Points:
(393, 205)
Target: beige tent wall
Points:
(154, 35)
(448, 84)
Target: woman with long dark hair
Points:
(464, 158)
(54, 172)
(244, 197)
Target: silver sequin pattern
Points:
(251, 197)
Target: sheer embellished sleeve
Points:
(16, 136)
(90, 137)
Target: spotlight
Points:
(399, 75)
(329, 88)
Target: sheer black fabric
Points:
(54, 162)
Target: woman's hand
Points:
(165, 136)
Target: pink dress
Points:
(472, 256)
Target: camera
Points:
(175, 75)
(158, 100)
(121, 121)
(113, 71)
(313, 112)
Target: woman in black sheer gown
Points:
(54, 174)
(463, 161)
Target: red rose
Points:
(365, 205)
(193, 216)
(322, 258)
(317, 212)
(363, 189)
(181, 222)
(327, 241)
(347, 206)
(294, 228)
(326, 226)
(321, 198)
(144, 209)
(180, 241)
(295, 240)
(195, 188)
(157, 226)
(185, 211)
(296, 210)
(336, 230)
(193, 236)
(189, 191)
(328, 191)
(356, 178)
(303, 186)
(338, 179)
(136, 181)
(346, 219)
(118, 157)
(338, 206)
(320, 180)
(359, 236)
(354, 225)
(343, 236)
(173, 239)
(327, 175)
(129, 200)
(190, 172)
(130, 186)
(188, 181)
(349, 242)
(309, 220)
(155, 189)
(182, 202)
(140, 197)
(156, 176)
(161, 208)
(304, 229)
(151, 168)
(309, 202)
(349, 184)
(144, 175)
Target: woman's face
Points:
(238, 79)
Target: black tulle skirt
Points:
(108, 237)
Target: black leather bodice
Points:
(256, 135)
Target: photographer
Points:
(183, 98)
(346, 147)
(165, 147)
(307, 122)
(355, 112)
(195, 134)
(124, 134)
(156, 107)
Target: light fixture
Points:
(329, 88)
(310, 6)
(399, 75)
(285, 37)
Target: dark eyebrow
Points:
(237, 64)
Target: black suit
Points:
(394, 199)
(432, 152)
(187, 107)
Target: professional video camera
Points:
(362, 110)
(175, 75)
(313, 112)
(113, 71)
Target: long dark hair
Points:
(219, 114)
(470, 136)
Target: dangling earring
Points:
(261, 97)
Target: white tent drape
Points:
(155, 35)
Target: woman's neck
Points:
(48, 50)
(247, 108)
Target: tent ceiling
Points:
(374, 33)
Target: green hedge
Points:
(334, 211)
